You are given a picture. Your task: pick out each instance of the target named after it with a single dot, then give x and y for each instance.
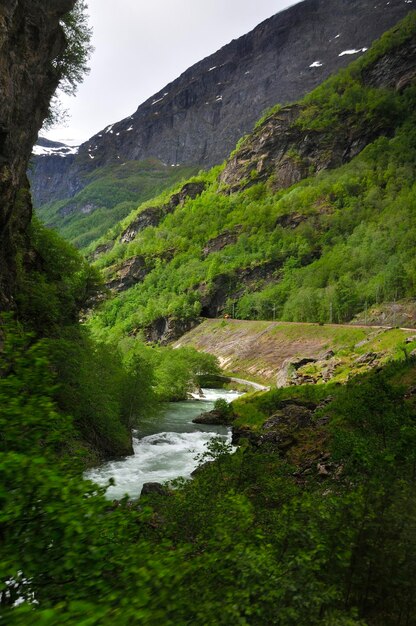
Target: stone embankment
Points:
(283, 353)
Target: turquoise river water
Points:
(165, 446)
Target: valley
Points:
(208, 330)
(196, 121)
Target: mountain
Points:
(311, 218)
(109, 195)
(198, 118)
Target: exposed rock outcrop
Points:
(166, 329)
(281, 428)
(31, 38)
(232, 285)
(213, 418)
(101, 249)
(227, 238)
(284, 151)
(158, 489)
(295, 370)
(198, 118)
(152, 216)
(132, 271)
(291, 221)
(401, 313)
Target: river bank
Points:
(165, 447)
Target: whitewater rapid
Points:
(165, 447)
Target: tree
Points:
(72, 64)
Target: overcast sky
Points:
(141, 45)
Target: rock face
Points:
(227, 238)
(401, 313)
(132, 271)
(152, 216)
(282, 149)
(292, 371)
(30, 39)
(287, 426)
(198, 118)
(231, 286)
(213, 418)
(226, 287)
(166, 329)
(150, 489)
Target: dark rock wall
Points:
(269, 151)
(198, 118)
(30, 39)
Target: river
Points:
(165, 446)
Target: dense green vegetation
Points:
(52, 289)
(105, 387)
(332, 244)
(111, 193)
(254, 539)
(358, 225)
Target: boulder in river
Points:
(213, 418)
(154, 488)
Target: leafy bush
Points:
(55, 287)
(223, 407)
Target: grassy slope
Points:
(353, 248)
(257, 350)
(112, 193)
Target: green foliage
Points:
(223, 407)
(260, 536)
(344, 94)
(104, 390)
(324, 545)
(378, 422)
(55, 287)
(72, 64)
(247, 540)
(177, 371)
(97, 391)
(111, 193)
(321, 251)
(28, 415)
(353, 247)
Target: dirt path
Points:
(241, 381)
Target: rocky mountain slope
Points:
(111, 194)
(198, 118)
(310, 219)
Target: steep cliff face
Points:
(198, 118)
(285, 149)
(30, 39)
